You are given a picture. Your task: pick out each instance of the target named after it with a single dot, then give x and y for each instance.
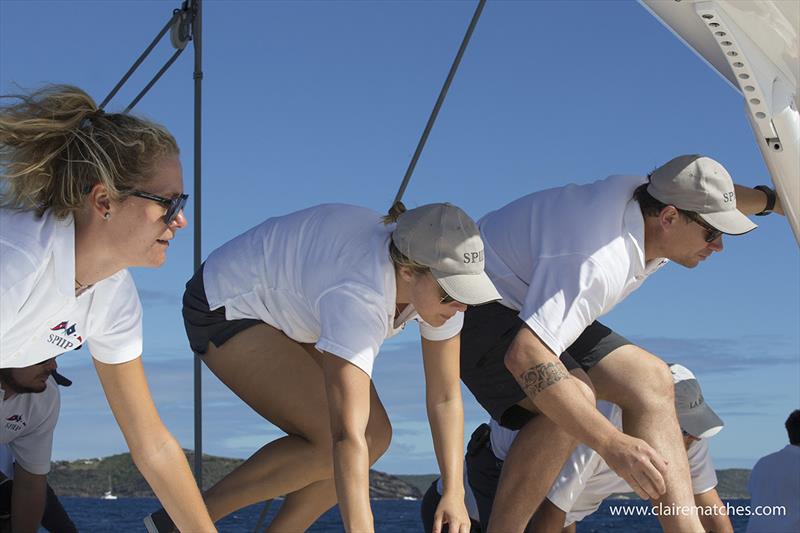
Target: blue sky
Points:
(311, 102)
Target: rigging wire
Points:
(179, 37)
(439, 102)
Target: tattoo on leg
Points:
(537, 378)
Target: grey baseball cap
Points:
(445, 239)
(694, 415)
(698, 183)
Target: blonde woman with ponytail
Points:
(291, 314)
(85, 195)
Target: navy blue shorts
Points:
(204, 325)
(486, 336)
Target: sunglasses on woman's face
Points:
(712, 234)
(446, 298)
(173, 205)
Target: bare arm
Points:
(555, 393)
(716, 520)
(156, 453)
(348, 390)
(751, 201)
(27, 500)
(446, 417)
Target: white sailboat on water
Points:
(109, 494)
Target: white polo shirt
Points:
(775, 482)
(564, 257)
(322, 275)
(27, 422)
(586, 480)
(39, 314)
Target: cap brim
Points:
(731, 222)
(470, 289)
(702, 422)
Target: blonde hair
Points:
(398, 258)
(56, 145)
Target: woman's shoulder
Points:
(350, 212)
(29, 231)
(27, 241)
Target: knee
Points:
(652, 385)
(379, 436)
(659, 381)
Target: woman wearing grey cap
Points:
(291, 315)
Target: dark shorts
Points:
(483, 472)
(203, 325)
(432, 497)
(488, 332)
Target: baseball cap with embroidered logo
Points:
(699, 184)
(694, 415)
(445, 239)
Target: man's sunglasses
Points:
(173, 205)
(712, 234)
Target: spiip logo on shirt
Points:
(65, 336)
(15, 422)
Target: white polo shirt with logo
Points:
(40, 317)
(322, 275)
(27, 422)
(564, 257)
(586, 480)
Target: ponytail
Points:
(56, 145)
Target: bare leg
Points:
(537, 455)
(300, 509)
(283, 382)
(548, 519)
(641, 384)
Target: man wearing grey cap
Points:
(562, 258)
(585, 479)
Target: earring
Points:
(107, 215)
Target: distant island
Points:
(92, 478)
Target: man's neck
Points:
(652, 249)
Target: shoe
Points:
(159, 522)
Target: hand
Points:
(451, 511)
(638, 464)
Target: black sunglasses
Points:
(173, 205)
(712, 234)
(446, 298)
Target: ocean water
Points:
(391, 516)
